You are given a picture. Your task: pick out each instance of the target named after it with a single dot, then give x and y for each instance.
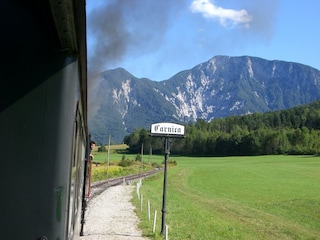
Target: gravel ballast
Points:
(111, 216)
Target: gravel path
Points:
(111, 216)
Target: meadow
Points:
(120, 163)
(260, 197)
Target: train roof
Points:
(33, 29)
(70, 21)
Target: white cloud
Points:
(224, 16)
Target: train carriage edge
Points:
(43, 118)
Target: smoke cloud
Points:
(117, 29)
(263, 18)
(121, 27)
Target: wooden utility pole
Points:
(108, 159)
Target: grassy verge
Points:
(121, 164)
(265, 197)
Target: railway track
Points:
(100, 186)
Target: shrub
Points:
(102, 149)
(170, 162)
(126, 163)
(138, 157)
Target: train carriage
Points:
(43, 118)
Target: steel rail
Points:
(100, 186)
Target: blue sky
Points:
(157, 39)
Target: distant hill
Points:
(223, 86)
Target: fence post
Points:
(154, 221)
(149, 210)
(141, 203)
(167, 229)
(138, 189)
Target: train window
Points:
(78, 155)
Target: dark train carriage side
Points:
(43, 118)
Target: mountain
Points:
(220, 87)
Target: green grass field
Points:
(264, 197)
(102, 157)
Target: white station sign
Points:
(165, 128)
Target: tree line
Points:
(290, 131)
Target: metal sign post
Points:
(166, 130)
(164, 196)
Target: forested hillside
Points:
(291, 131)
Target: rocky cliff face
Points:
(217, 88)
